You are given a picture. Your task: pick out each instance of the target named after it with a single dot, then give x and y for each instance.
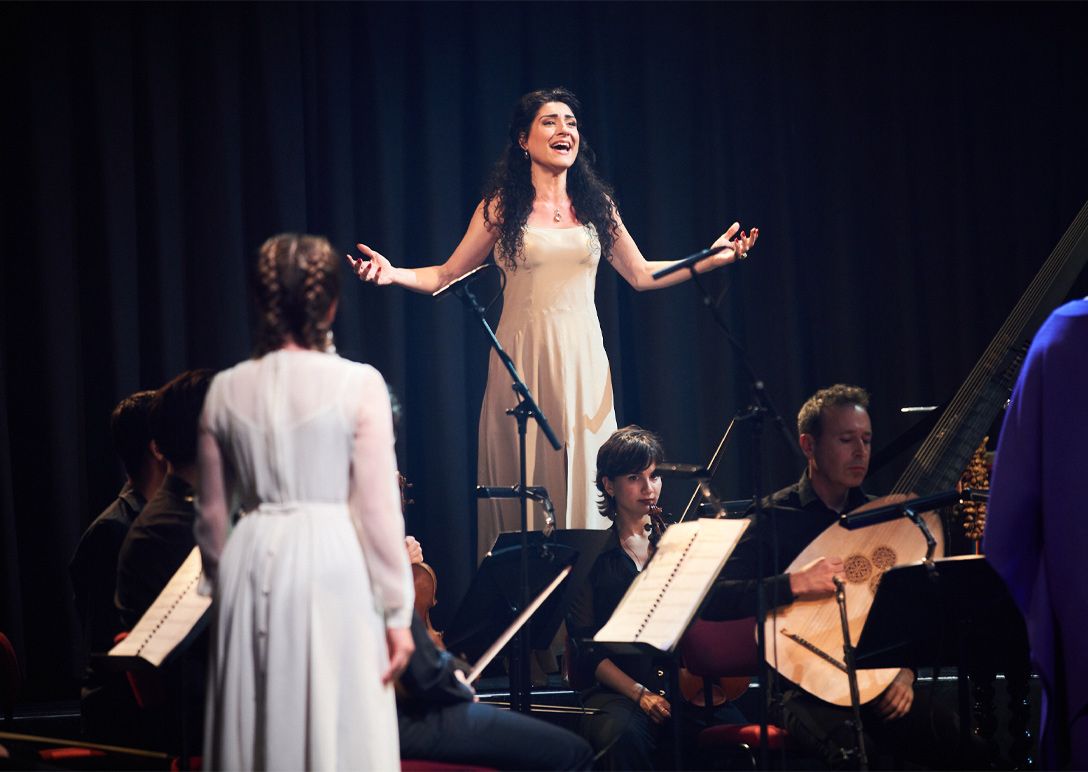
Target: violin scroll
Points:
(659, 521)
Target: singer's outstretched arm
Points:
(638, 271)
(473, 250)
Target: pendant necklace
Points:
(558, 216)
(631, 552)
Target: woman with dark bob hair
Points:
(549, 219)
(629, 693)
(313, 587)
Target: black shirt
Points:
(609, 578)
(157, 544)
(792, 518)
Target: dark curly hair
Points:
(510, 187)
(810, 419)
(629, 450)
(298, 280)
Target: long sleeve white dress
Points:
(312, 574)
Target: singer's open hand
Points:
(377, 270)
(737, 248)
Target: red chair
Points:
(10, 686)
(10, 682)
(714, 650)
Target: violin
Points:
(423, 577)
(691, 686)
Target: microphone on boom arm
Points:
(456, 286)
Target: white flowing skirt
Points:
(298, 648)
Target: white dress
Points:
(549, 327)
(312, 574)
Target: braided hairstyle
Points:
(510, 184)
(298, 280)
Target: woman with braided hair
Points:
(549, 219)
(313, 588)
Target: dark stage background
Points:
(910, 167)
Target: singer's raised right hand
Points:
(377, 270)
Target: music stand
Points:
(493, 598)
(958, 610)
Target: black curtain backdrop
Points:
(909, 166)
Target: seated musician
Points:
(156, 545)
(629, 729)
(835, 436)
(106, 694)
(440, 719)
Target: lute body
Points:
(867, 553)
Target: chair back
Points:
(721, 649)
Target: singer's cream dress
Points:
(312, 574)
(549, 327)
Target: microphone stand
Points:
(852, 677)
(520, 679)
(760, 409)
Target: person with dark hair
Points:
(313, 589)
(159, 541)
(630, 695)
(835, 437)
(161, 537)
(1034, 534)
(549, 219)
(106, 694)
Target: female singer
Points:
(313, 588)
(549, 219)
(629, 693)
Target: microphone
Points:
(838, 582)
(460, 283)
(689, 261)
(683, 471)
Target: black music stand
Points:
(493, 599)
(957, 611)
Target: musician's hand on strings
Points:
(895, 701)
(817, 576)
(400, 644)
(655, 706)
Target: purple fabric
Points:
(1037, 523)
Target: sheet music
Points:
(170, 619)
(663, 599)
(516, 625)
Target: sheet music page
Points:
(663, 598)
(170, 618)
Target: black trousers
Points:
(626, 739)
(483, 735)
(929, 734)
